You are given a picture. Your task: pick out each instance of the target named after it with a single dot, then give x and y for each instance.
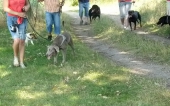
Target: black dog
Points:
(94, 12)
(134, 16)
(164, 20)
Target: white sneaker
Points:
(127, 28)
(22, 65)
(16, 63)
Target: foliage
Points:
(74, 2)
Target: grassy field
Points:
(88, 79)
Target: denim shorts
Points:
(21, 33)
(84, 6)
(53, 19)
(124, 7)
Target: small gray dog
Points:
(60, 43)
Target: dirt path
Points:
(122, 58)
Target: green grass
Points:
(88, 79)
(141, 46)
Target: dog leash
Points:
(133, 5)
(35, 30)
(60, 10)
(32, 26)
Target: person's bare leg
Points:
(126, 23)
(16, 51)
(22, 51)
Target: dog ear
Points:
(56, 48)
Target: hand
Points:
(22, 14)
(25, 8)
(62, 3)
(133, 1)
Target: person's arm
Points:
(8, 10)
(27, 6)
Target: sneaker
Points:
(49, 37)
(127, 28)
(81, 22)
(16, 63)
(22, 65)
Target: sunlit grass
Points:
(29, 95)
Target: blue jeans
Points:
(124, 7)
(84, 6)
(21, 33)
(53, 19)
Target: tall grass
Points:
(151, 11)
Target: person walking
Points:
(52, 15)
(17, 23)
(124, 7)
(84, 6)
